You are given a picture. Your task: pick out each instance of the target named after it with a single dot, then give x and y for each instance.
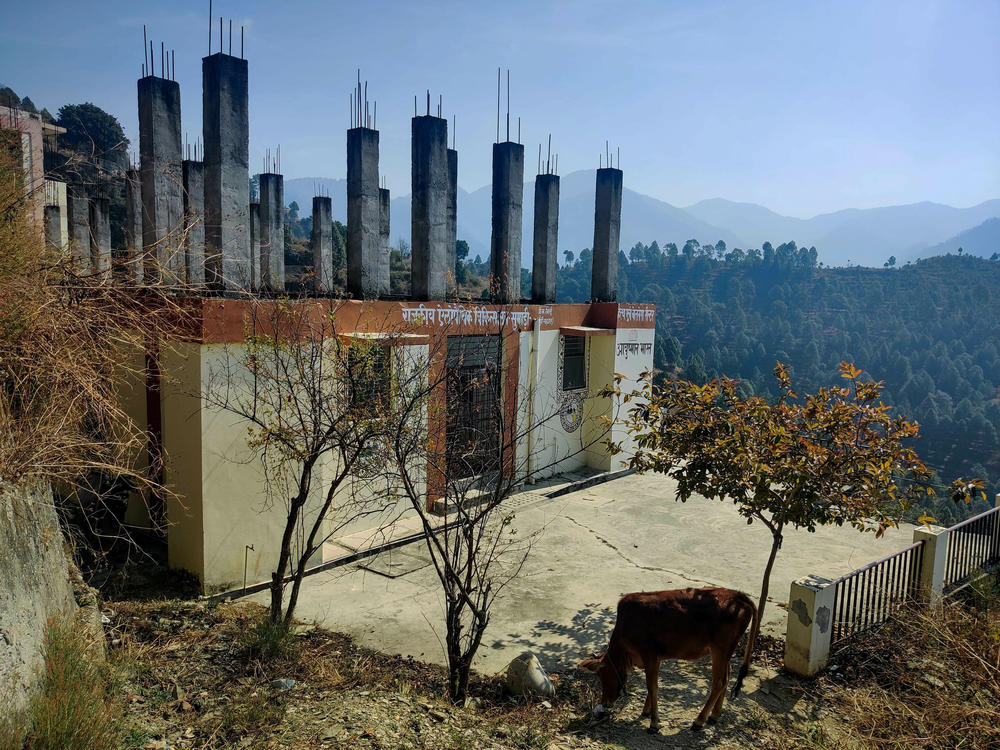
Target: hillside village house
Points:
(193, 229)
(559, 356)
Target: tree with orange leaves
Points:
(839, 456)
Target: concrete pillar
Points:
(384, 251)
(930, 580)
(505, 245)
(53, 227)
(78, 212)
(100, 237)
(194, 221)
(362, 212)
(272, 231)
(255, 245)
(607, 225)
(452, 218)
(545, 246)
(321, 243)
(429, 207)
(160, 173)
(810, 625)
(226, 133)
(133, 262)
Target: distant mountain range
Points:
(852, 236)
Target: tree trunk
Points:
(765, 583)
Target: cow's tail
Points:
(748, 655)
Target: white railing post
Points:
(810, 625)
(930, 580)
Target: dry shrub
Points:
(930, 679)
(70, 340)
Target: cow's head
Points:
(612, 681)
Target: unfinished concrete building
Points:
(78, 214)
(226, 135)
(607, 227)
(161, 178)
(321, 243)
(99, 220)
(505, 242)
(363, 211)
(255, 245)
(272, 232)
(194, 221)
(552, 360)
(429, 207)
(452, 218)
(545, 244)
(131, 269)
(384, 250)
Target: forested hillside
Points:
(928, 329)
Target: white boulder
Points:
(525, 676)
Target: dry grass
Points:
(931, 679)
(75, 708)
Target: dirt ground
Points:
(186, 681)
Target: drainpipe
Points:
(532, 384)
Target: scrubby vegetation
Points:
(76, 707)
(929, 679)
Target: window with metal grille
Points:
(574, 363)
(368, 375)
(473, 422)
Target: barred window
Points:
(574, 363)
(368, 378)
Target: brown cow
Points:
(679, 624)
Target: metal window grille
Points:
(574, 363)
(473, 418)
(369, 375)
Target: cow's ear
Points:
(590, 665)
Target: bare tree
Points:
(314, 398)
(458, 436)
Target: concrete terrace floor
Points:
(591, 547)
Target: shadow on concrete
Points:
(561, 646)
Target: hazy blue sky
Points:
(803, 107)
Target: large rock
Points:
(35, 588)
(525, 676)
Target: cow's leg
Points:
(717, 708)
(652, 691)
(720, 667)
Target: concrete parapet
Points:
(545, 247)
(321, 243)
(607, 226)
(362, 213)
(930, 580)
(505, 244)
(810, 625)
(160, 174)
(226, 132)
(272, 231)
(429, 208)
(384, 251)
